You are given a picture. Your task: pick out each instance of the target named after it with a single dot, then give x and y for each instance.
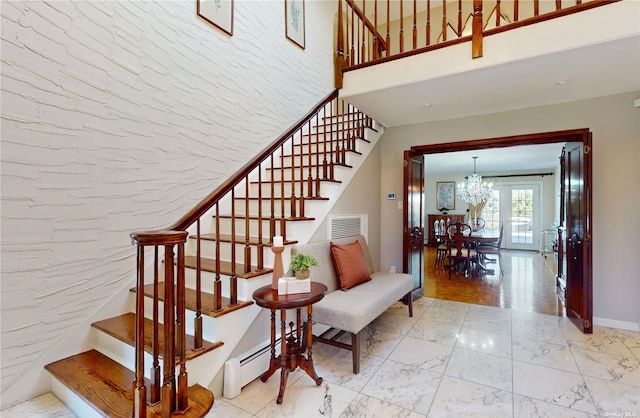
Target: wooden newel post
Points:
(174, 328)
(476, 39)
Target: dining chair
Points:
(493, 248)
(459, 251)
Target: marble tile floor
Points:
(456, 359)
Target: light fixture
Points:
(475, 191)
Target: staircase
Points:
(186, 316)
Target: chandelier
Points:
(475, 191)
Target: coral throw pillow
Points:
(350, 264)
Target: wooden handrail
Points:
(208, 202)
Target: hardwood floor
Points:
(528, 283)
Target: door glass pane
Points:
(522, 216)
(491, 213)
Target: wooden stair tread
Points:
(208, 264)
(268, 198)
(277, 182)
(239, 239)
(206, 299)
(255, 218)
(314, 153)
(312, 165)
(107, 386)
(322, 141)
(123, 328)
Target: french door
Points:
(518, 206)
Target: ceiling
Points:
(596, 70)
(524, 158)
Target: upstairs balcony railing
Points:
(375, 31)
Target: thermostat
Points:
(391, 196)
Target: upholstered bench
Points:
(351, 310)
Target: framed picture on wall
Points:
(217, 12)
(294, 21)
(446, 195)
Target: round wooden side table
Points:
(299, 341)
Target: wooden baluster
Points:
(536, 7)
(247, 245)
(155, 367)
(217, 284)
(181, 331)
(325, 164)
(139, 388)
(310, 182)
(459, 18)
(317, 180)
(427, 28)
(559, 4)
(415, 24)
(476, 37)
(340, 62)
(356, 127)
(498, 13)
(332, 137)
(168, 383)
(444, 20)
(515, 10)
(260, 249)
(341, 134)
(197, 322)
(376, 41)
(388, 27)
(401, 27)
(272, 185)
(233, 285)
(282, 213)
(364, 35)
(353, 34)
(347, 133)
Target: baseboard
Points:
(614, 323)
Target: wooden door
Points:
(413, 219)
(579, 288)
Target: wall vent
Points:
(340, 226)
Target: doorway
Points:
(578, 289)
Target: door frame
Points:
(574, 135)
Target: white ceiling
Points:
(592, 71)
(525, 158)
(567, 74)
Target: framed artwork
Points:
(217, 12)
(446, 195)
(294, 21)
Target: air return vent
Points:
(340, 226)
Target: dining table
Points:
(480, 236)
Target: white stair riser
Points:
(124, 354)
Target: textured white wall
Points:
(120, 116)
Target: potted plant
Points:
(300, 263)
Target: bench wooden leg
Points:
(410, 303)
(355, 352)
